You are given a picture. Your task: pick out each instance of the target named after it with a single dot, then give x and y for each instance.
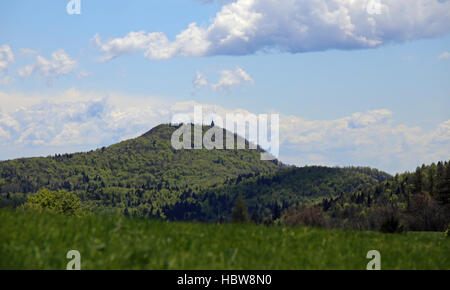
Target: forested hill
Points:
(146, 176)
(418, 201)
(267, 195)
(144, 173)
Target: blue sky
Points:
(390, 70)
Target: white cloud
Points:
(360, 120)
(249, 26)
(365, 139)
(6, 57)
(228, 79)
(83, 120)
(156, 45)
(59, 64)
(199, 81)
(444, 55)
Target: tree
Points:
(276, 211)
(425, 214)
(61, 202)
(239, 211)
(256, 218)
(418, 176)
(443, 191)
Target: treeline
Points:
(417, 201)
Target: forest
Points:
(146, 177)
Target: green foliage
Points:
(30, 240)
(267, 195)
(418, 200)
(60, 202)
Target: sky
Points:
(364, 83)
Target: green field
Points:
(41, 241)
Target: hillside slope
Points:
(418, 201)
(269, 194)
(144, 173)
(146, 176)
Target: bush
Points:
(306, 216)
(61, 202)
(425, 214)
(391, 225)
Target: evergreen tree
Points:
(239, 211)
(256, 218)
(443, 191)
(276, 211)
(418, 177)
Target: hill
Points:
(142, 174)
(146, 176)
(418, 201)
(267, 195)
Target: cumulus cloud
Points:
(228, 79)
(199, 81)
(59, 64)
(362, 138)
(6, 57)
(360, 120)
(294, 26)
(444, 55)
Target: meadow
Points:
(31, 240)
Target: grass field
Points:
(41, 241)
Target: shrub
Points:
(61, 202)
(391, 225)
(425, 214)
(307, 216)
